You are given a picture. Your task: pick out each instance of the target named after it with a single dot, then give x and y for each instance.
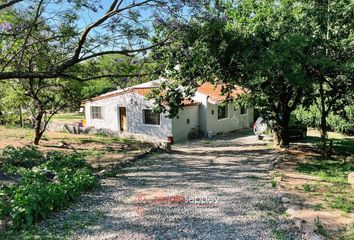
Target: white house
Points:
(128, 112)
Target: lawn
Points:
(67, 118)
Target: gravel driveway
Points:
(227, 176)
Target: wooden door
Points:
(123, 119)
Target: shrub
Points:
(36, 196)
(58, 160)
(343, 122)
(26, 157)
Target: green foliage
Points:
(342, 122)
(37, 196)
(26, 157)
(59, 160)
(347, 232)
(280, 234)
(331, 170)
(320, 228)
(307, 188)
(344, 204)
(318, 207)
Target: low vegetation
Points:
(46, 182)
(98, 150)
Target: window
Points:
(243, 110)
(222, 112)
(151, 118)
(96, 112)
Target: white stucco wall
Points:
(202, 110)
(134, 104)
(200, 115)
(180, 125)
(233, 121)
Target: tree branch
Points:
(8, 4)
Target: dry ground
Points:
(322, 193)
(98, 150)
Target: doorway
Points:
(123, 119)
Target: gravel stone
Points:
(221, 170)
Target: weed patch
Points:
(47, 183)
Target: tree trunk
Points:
(281, 131)
(38, 128)
(285, 130)
(21, 115)
(323, 125)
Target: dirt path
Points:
(231, 173)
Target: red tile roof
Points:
(187, 102)
(141, 91)
(145, 91)
(215, 92)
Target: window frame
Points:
(149, 124)
(94, 115)
(226, 106)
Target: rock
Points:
(295, 207)
(351, 179)
(285, 200)
(69, 128)
(292, 209)
(280, 195)
(100, 173)
(278, 179)
(312, 236)
(299, 223)
(64, 145)
(271, 166)
(286, 205)
(47, 173)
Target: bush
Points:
(343, 123)
(26, 157)
(37, 196)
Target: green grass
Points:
(318, 207)
(344, 146)
(310, 187)
(320, 228)
(329, 170)
(347, 233)
(343, 203)
(68, 116)
(307, 187)
(280, 234)
(336, 188)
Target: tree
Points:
(12, 106)
(260, 45)
(120, 27)
(332, 53)
(4, 5)
(46, 48)
(45, 98)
